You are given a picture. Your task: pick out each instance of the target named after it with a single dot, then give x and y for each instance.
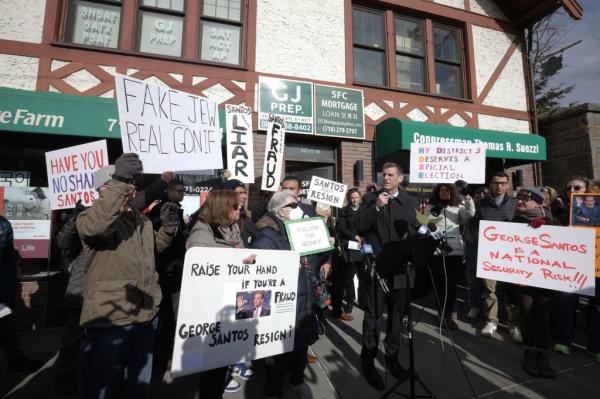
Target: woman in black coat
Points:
(271, 234)
(345, 270)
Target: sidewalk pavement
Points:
(475, 366)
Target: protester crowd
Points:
(125, 256)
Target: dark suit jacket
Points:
(249, 312)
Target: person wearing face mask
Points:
(271, 234)
(449, 215)
(535, 303)
(121, 291)
(564, 312)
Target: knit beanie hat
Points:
(535, 193)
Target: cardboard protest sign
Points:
(274, 148)
(230, 312)
(9, 178)
(169, 129)
(556, 258)
(447, 163)
(28, 210)
(327, 191)
(585, 213)
(240, 147)
(308, 236)
(71, 173)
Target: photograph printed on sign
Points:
(253, 304)
(585, 210)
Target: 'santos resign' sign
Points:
(556, 258)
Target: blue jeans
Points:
(117, 361)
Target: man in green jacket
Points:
(121, 294)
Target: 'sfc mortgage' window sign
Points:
(288, 99)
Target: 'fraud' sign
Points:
(274, 148)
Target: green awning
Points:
(394, 135)
(63, 114)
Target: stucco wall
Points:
(18, 72)
(452, 3)
(304, 39)
(509, 90)
(487, 8)
(503, 124)
(489, 46)
(22, 20)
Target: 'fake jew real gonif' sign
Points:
(169, 129)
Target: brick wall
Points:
(351, 151)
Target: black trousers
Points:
(374, 298)
(536, 306)
(445, 283)
(293, 362)
(9, 343)
(343, 287)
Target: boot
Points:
(544, 367)
(450, 321)
(530, 364)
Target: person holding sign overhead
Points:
(271, 234)
(215, 225)
(535, 303)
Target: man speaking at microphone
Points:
(389, 215)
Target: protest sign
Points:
(447, 163)
(308, 236)
(71, 173)
(289, 99)
(339, 112)
(28, 210)
(169, 129)
(230, 312)
(585, 213)
(556, 258)
(327, 191)
(9, 178)
(274, 147)
(240, 147)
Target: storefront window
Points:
(221, 33)
(96, 23)
(369, 47)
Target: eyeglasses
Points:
(292, 205)
(523, 198)
(575, 187)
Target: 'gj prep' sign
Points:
(288, 99)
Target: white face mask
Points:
(296, 214)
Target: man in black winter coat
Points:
(388, 215)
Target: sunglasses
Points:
(292, 205)
(236, 207)
(523, 198)
(575, 187)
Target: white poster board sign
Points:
(447, 163)
(327, 191)
(169, 129)
(9, 178)
(274, 148)
(240, 147)
(218, 323)
(552, 257)
(71, 173)
(308, 236)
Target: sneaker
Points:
(233, 386)
(473, 313)
(242, 371)
(515, 334)
(560, 348)
(302, 390)
(450, 322)
(489, 329)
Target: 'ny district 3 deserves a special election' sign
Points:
(556, 258)
(169, 129)
(447, 163)
(230, 312)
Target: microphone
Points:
(366, 251)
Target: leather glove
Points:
(128, 167)
(536, 223)
(169, 216)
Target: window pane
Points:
(409, 73)
(409, 36)
(220, 42)
(161, 34)
(445, 44)
(448, 80)
(226, 9)
(176, 5)
(96, 24)
(368, 28)
(369, 66)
